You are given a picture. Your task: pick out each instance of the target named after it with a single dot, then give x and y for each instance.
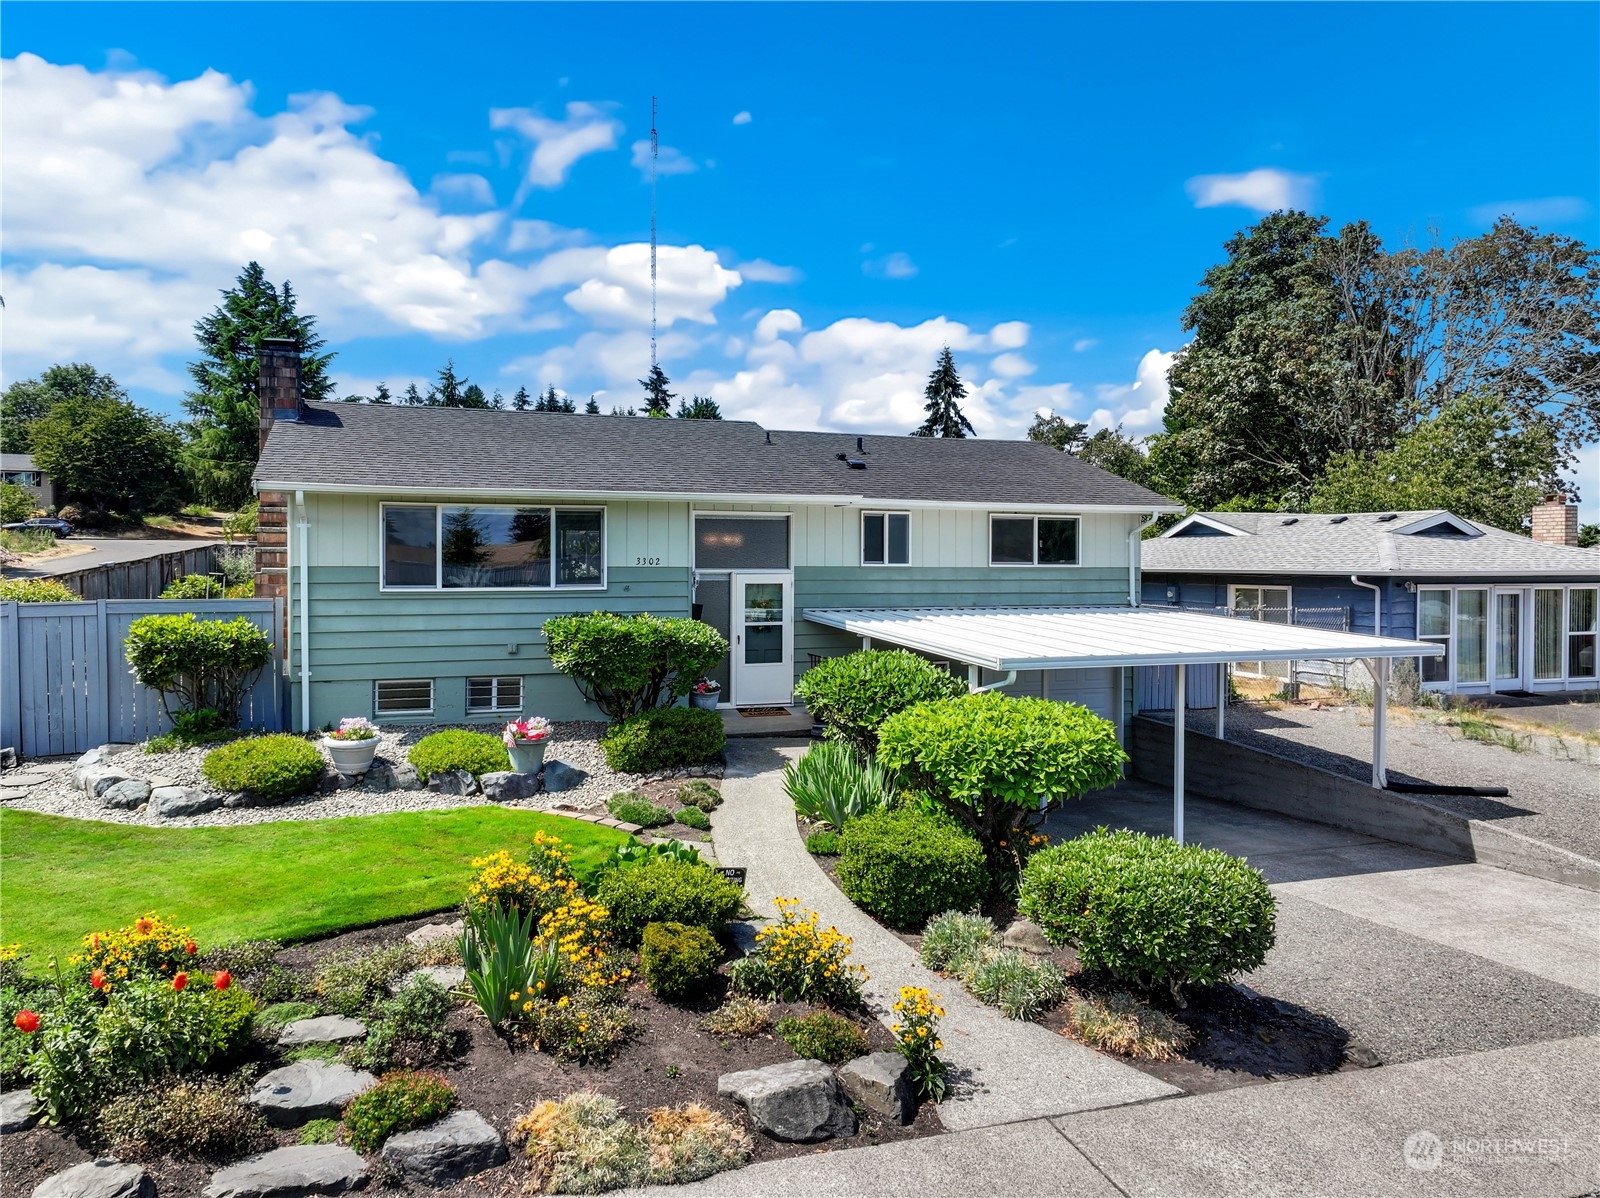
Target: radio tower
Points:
(653, 148)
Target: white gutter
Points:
(1377, 604)
(305, 612)
(1134, 537)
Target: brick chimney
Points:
(1555, 522)
(278, 386)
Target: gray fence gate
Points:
(64, 681)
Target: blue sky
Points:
(846, 188)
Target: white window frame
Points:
(884, 515)
(379, 683)
(1569, 632)
(438, 586)
(1256, 669)
(1448, 640)
(496, 706)
(1035, 564)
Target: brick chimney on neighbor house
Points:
(278, 388)
(1555, 522)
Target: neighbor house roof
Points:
(17, 461)
(1433, 543)
(396, 449)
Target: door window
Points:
(763, 623)
(1581, 630)
(1433, 625)
(1472, 635)
(1508, 635)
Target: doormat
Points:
(763, 711)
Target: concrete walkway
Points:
(1005, 1070)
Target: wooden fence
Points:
(141, 578)
(65, 686)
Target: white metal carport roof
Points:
(1073, 638)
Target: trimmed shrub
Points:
(953, 939)
(276, 766)
(906, 866)
(823, 1036)
(1020, 986)
(625, 665)
(35, 590)
(194, 586)
(183, 1117)
(852, 695)
(667, 890)
(741, 1015)
(1150, 911)
(631, 808)
(458, 749)
(830, 785)
(401, 1101)
(697, 792)
(664, 739)
(693, 817)
(999, 764)
(586, 1026)
(823, 844)
(198, 663)
(678, 961)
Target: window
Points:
(1547, 633)
(494, 694)
(409, 696)
(1472, 635)
(1581, 631)
(1433, 624)
(885, 538)
(745, 541)
(491, 546)
(1033, 540)
(1265, 605)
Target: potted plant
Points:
(705, 694)
(352, 745)
(526, 741)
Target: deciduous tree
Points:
(26, 400)
(111, 455)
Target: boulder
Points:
(391, 775)
(171, 802)
(295, 1172)
(448, 976)
(798, 1101)
(503, 786)
(97, 1179)
(127, 794)
(16, 1111)
(100, 778)
(1028, 937)
(559, 776)
(881, 1082)
(453, 782)
(307, 1090)
(429, 932)
(93, 759)
(457, 1146)
(324, 1029)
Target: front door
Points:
(1508, 641)
(763, 640)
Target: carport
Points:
(1008, 639)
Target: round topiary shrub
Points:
(678, 960)
(852, 695)
(1151, 911)
(278, 766)
(667, 890)
(458, 749)
(664, 739)
(906, 866)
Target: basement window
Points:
(403, 696)
(493, 694)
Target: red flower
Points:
(26, 1021)
(97, 978)
(222, 980)
(142, 924)
(180, 980)
(94, 942)
(188, 947)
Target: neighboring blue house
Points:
(1515, 613)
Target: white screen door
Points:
(763, 640)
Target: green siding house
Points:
(420, 550)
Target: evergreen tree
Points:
(658, 400)
(225, 411)
(382, 394)
(413, 397)
(549, 401)
(472, 396)
(466, 538)
(497, 401)
(519, 401)
(944, 392)
(701, 407)
(592, 408)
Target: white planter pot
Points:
(527, 756)
(351, 757)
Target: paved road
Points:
(104, 551)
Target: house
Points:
(20, 470)
(1513, 613)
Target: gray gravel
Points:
(575, 743)
(1555, 795)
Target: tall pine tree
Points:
(944, 392)
(592, 408)
(519, 401)
(701, 407)
(657, 399)
(224, 409)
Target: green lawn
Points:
(62, 878)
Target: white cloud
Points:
(1083, 344)
(759, 270)
(1555, 210)
(1263, 189)
(776, 323)
(540, 235)
(1009, 334)
(1140, 405)
(668, 160)
(613, 285)
(890, 266)
(742, 118)
(557, 145)
(1012, 366)
(467, 189)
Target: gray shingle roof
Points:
(457, 449)
(17, 461)
(1360, 543)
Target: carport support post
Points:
(1379, 668)
(1222, 699)
(1179, 718)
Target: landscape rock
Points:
(294, 1172)
(453, 782)
(127, 794)
(559, 776)
(307, 1090)
(104, 1178)
(503, 786)
(324, 1029)
(881, 1082)
(448, 976)
(8, 793)
(390, 775)
(16, 1111)
(170, 802)
(430, 932)
(101, 778)
(241, 798)
(1029, 937)
(20, 779)
(798, 1101)
(93, 759)
(457, 1146)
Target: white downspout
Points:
(305, 612)
(1133, 557)
(975, 674)
(1377, 604)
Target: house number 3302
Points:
(647, 561)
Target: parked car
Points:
(45, 524)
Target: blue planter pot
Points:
(527, 756)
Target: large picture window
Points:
(492, 546)
(885, 538)
(1033, 540)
